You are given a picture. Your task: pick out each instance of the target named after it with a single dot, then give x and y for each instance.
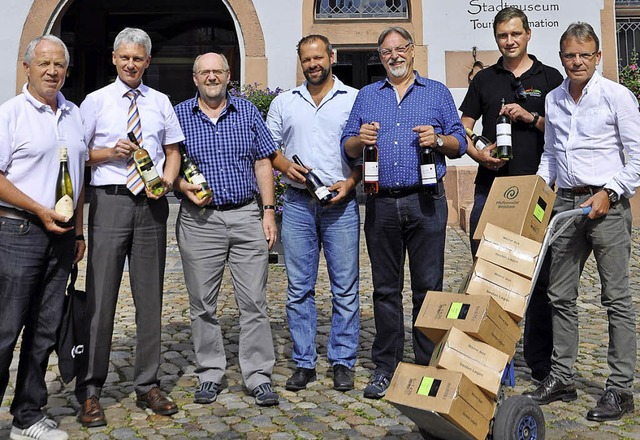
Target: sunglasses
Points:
(519, 90)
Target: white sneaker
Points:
(45, 429)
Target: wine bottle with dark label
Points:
(194, 176)
(146, 168)
(504, 146)
(428, 175)
(315, 185)
(370, 171)
(64, 191)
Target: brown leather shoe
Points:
(91, 413)
(157, 402)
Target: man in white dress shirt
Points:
(127, 223)
(591, 122)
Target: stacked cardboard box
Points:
(476, 331)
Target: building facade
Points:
(259, 38)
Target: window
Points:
(361, 9)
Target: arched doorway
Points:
(179, 32)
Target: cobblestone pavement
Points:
(319, 411)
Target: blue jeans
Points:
(394, 226)
(306, 228)
(34, 270)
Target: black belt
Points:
(18, 214)
(299, 190)
(229, 206)
(399, 192)
(120, 190)
(579, 190)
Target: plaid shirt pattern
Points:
(226, 151)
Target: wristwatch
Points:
(613, 196)
(439, 141)
(536, 116)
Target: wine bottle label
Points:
(198, 179)
(149, 174)
(64, 206)
(371, 171)
(503, 134)
(322, 192)
(480, 145)
(428, 174)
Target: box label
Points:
(429, 386)
(458, 310)
(538, 211)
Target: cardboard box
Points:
(419, 391)
(509, 250)
(479, 316)
(520, 204)
(509, 289)
(480, 362)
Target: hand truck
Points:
(517, 417)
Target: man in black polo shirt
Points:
(523, 82)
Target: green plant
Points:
(262, 98)
(630, 75)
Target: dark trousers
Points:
(122, 226)
(395, 226)
(34, 269)
(538, 333)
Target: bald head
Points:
(211, 76)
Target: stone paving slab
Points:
(319, 412)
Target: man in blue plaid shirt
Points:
(228, 140)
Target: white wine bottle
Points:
(194, 176)
(370, 164)
(146, 168)
(315, 185)
(503, 137)
(479, 141)
(64, 191)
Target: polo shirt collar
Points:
(63, 104)
(535, 68)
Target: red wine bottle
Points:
(370, 165)
(315, 185)
(428, 175)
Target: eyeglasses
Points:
(400, 50)
(519, 89)
(584, 56)
(216, 72)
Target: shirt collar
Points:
(595, 79)
(230, 105)
(535, 67)
(123, 88)
(63, 104)
(338, 87)
(419, 80)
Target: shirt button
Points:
(395, 164)
(395, 143)
(397, 124)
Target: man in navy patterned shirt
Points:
(229, 141)
(403, 114)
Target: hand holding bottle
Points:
(426, 136)
(369, 133)
(190, 190)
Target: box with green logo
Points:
(480, 316)
(520, 204)
(434, 399)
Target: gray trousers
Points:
(124, 226)
(609, 238)
(208, 239)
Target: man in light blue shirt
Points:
(308, 122)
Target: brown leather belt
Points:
(18, 214)
(580, 190)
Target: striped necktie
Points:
(134, 181)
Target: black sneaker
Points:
(377, 388)
(612, 405)
(265, 396)
(207, 392)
